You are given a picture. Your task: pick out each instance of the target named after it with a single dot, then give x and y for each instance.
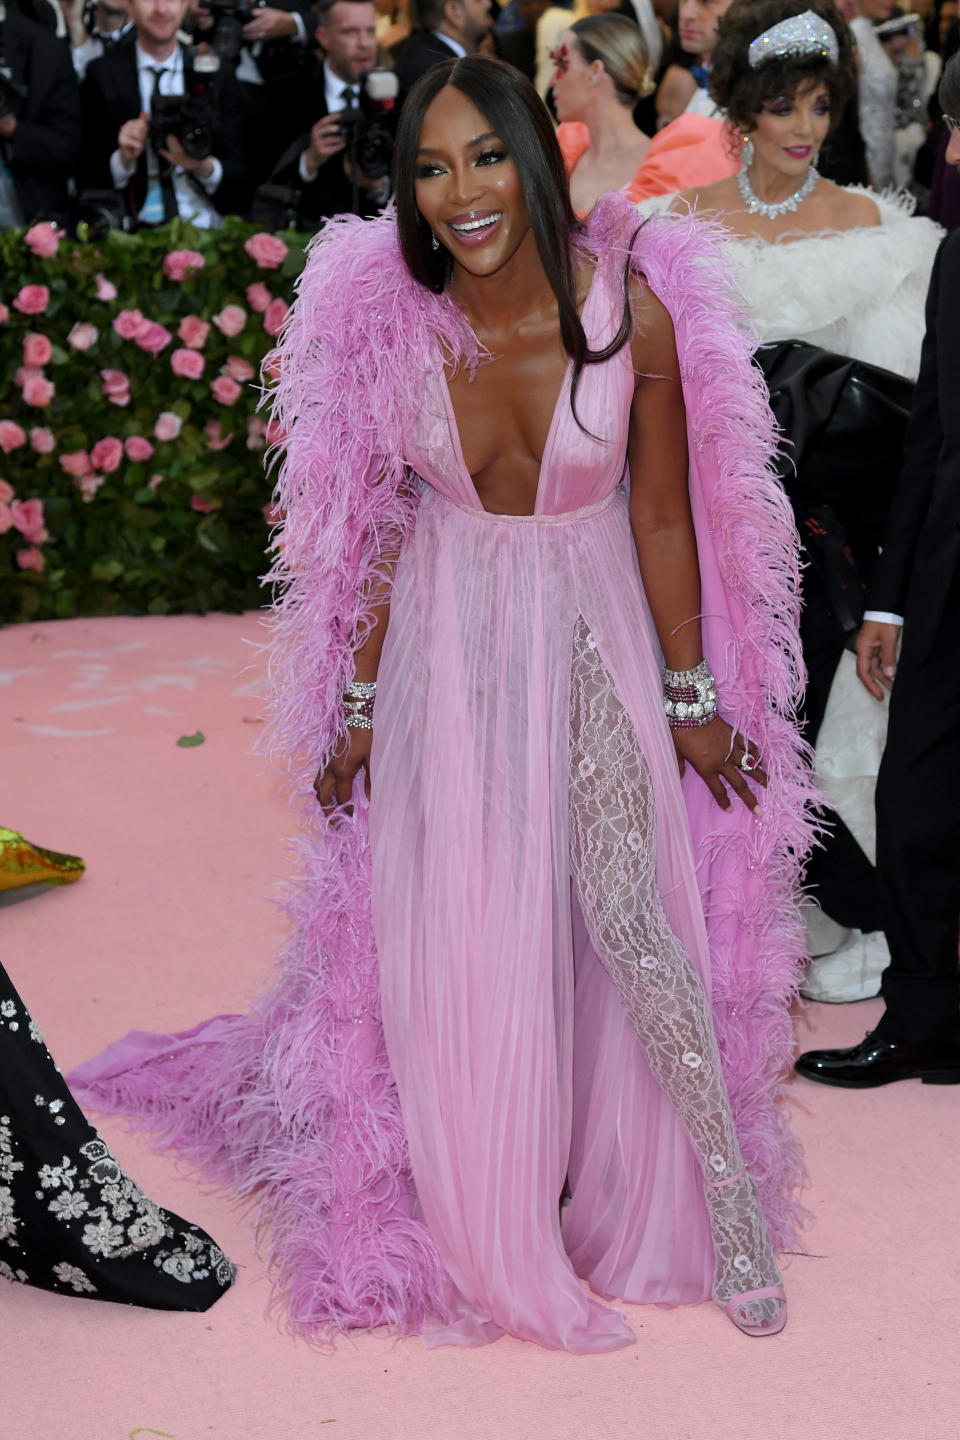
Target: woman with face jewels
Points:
(539, 629)
(601, 71)
(846, 270)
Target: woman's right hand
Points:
(334, 783)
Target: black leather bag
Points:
(843, 424)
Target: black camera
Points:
(365, 126)
(190, 117)
(97, 213)
(229, 18)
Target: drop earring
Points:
(434, 242)
(747, 153)
(594, 78)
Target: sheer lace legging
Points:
(613, 854)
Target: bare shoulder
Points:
(653, 343)
(851, 208)
(714, 199)
(674, 91)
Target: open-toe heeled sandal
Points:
(764, 1327)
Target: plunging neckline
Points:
(554, 426)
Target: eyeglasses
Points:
(952, 124)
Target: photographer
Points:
(162, 124)
(316, 167)
(39, 120)
(93, 26)
(444, 29)
(269, 46)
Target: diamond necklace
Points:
(756, 206)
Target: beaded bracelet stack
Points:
(358, 701)
(689, 697)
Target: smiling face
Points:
(467, 187)
(573, 85)
(790, 129)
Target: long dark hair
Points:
(506, 98)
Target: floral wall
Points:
(131, 450)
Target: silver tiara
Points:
(806, 34)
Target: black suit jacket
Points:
(921, 548)
(331, 192)
(110, 96)
(417, 55)
(45, 149)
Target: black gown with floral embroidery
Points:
(70, 1219)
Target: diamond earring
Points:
(434, 242)
(747, 151)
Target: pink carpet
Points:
(174, 922)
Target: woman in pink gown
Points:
(514, 954)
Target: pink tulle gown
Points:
(538, 876)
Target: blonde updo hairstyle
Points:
(617, 43)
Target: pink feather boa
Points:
(293, 1105)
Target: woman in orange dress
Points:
(600, 72)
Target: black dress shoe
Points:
(879, 1061)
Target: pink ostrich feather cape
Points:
(293, 1105)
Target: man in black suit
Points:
(917, 586)
(315, 166)
(160, 182)
(445, 30)
(39, 119)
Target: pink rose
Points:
(168, 426)
(274, 316)
(106, 290)
(256, 429)
(272, 513)
(42, 441)
(238, 368)
(83, 336)
(193, 332)
(267, 250)
(137, 448)
(106, 455)
(6, 519)
(128, 324)
(4, 314)
(273, 365)
(231, 320)
(75, 463)
(22, 374)
(198, 503)
(181, 263)
(28, 518)
(258, 296)
(154, 481)
(37, 351)
(31, 559)
(11, 436)
(6, 493)
(187, 363)
(38, 390)
(225, 390)
(88, 486)
(32, 300)
(116, 386)
(216, 440)
(275, 433)
(153, 338)
(43, 239)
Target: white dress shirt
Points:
(458, 49)
(191, 202)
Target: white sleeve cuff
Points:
(301, 36)
(120, 173)
(305, 175)
(211, 182)
(885, 617)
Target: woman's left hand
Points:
(716, 754)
